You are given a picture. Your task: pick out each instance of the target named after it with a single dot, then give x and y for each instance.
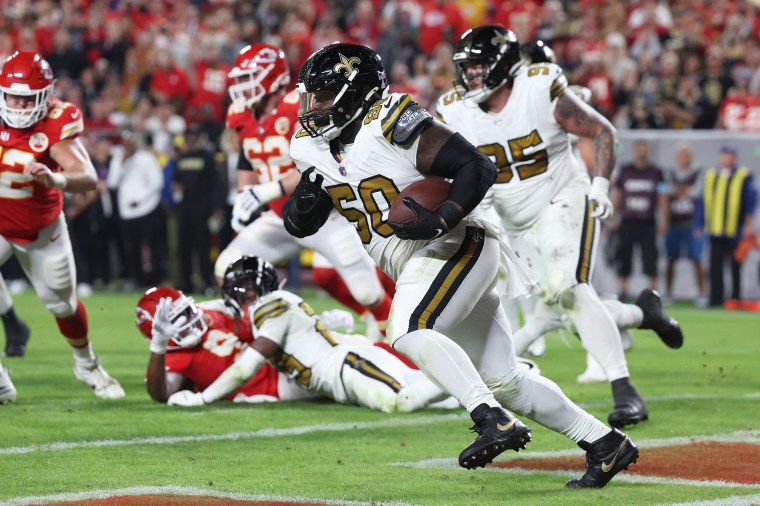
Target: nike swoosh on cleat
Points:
(506, 427)
(606, 468)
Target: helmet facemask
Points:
(190, 322)
(247, 279)
(24, 117)
(497, 50)
(337, 85)
(249, 89)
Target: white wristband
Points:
(59, 180)
(602, 184)
(267, 192)
(158, 349)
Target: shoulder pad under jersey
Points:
(404, 120)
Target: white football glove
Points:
(185, 398)
(250, 199)
(335, 318)
(163, 328)
(246, 203)
(599, 196)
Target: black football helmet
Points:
(537, 52)
(247, 279)
(490, 45)
(351, 76)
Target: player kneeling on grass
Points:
(344, 367)
(191, 345)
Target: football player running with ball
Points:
(520, 116)
(40, 157)
(358, 149)
(265, 115)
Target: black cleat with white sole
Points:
(497, 432)
(604, 459)
(656, 319)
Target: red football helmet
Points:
(259, 70)
(189, 333)
(25, 74)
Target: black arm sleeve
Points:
(472, 173)
(303, 225)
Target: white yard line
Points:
(737, 500)
(293, 431)
(677, 397)
(176, 490)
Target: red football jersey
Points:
(223, 340)
(27, 207)
(266, 142)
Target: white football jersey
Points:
(527, 145)
(365, 178)
(345, 367)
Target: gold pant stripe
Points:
(583, 272)
(447, 281)
(370, 370)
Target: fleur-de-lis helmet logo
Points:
(502, 38)
(346, 64)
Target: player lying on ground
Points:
(344, 367)
(191, 345)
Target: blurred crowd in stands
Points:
(145, 72)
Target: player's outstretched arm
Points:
(246, 365)
(77, 175)
(577, 117)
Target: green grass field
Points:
(59, 439)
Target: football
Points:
(430, 193)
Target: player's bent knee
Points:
(61, 308)
(365, 288)
(225, 258)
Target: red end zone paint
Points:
(731, 462)
(177, 500)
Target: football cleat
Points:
(497, 432)
(659, 321)
(604, 459)
(629, 409)
(93, 374)
(7, 390)
(16, 335)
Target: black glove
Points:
(307, 193)
(428, 224)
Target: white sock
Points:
(596, 328)
(586, 428)
(541, 400)
(626, 316)
(84, 354)
(446, 364)
(535, 326)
